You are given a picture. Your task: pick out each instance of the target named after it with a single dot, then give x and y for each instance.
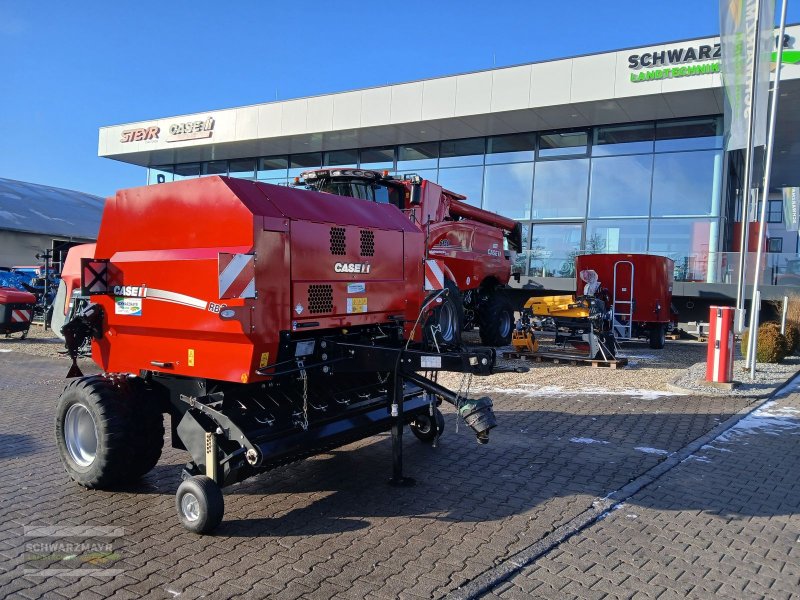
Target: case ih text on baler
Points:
(269, 323)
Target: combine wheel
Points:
(496, 320)
(658, 336)
(200, 504)
(107, 436)
(447, 317)
(422, 426)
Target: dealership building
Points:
(618, 151)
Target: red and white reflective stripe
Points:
(434, 275)
(21, 315)
(237, 275)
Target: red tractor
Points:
(269, 323)
(469, 241)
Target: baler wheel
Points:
(200, 504)
(103, 438)
(422, 426)
(496, 320)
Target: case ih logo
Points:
(191, 130)
(143, 134)
(340, 267)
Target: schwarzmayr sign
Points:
(682, 62)
(676, 62)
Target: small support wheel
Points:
(200, 504)
(423, 426)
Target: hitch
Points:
(85, 325)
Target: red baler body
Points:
(167, 247)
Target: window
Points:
(687, 184)
(563, 143)
(467, 181)
(618, 235)
(775, 211)
(623, 139)
(690, 134)
(510, 148)
(341, 158)
(377, 158)
(686, 241)
(554, 248)
(621, 186)
(187, 171)
(417, 156)
(244, 168)
(775, 244)
(215, 167)
(507, 189)
(559, 189)
(155, 174)
(273, 167)
(461, 153)
(304, 162)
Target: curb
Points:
(602, 506)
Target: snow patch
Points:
(702, 459)
(532, 390)
(647, 450)
(769, 419)
(580, 440)
(710, 447)
(4, 350)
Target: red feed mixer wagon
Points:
(637, 288)
(269, 324)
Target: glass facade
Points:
(636, 187)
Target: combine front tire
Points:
(446, 321)
(200, 504)
(422, 426)
(496, 320)
(105, 435)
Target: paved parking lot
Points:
(331, 526)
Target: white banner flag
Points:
(737, 27)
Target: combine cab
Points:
(469, 242)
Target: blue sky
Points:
(69, 67)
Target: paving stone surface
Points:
(330, 526)
(724, 523)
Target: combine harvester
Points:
(269, 323)
(468, 243)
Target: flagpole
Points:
(767, 172)
(748, 180)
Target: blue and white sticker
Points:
(356, 288)
(130, 307)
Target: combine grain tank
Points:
(638, 289)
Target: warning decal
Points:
(356, 305)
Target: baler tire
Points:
(496, 320)
(451, 308)
(422, 429)
(200, 504)
(98, 459)
(658, 337)
(148, 423)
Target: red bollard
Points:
(719, 365)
